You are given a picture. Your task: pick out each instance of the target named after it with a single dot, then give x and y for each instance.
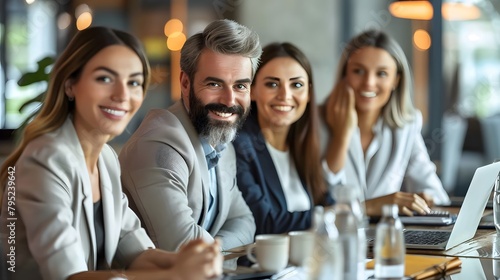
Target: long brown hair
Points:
(56, 106)
(303, 137)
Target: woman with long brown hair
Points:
(61, 185)
(279, 167)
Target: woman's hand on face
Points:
(407, 203)
(340, 110)
(199, 260)
(339, 113)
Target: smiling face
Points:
(281, 92)
(107, 93)
(372, 73)
(218, 98)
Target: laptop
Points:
(468, 218)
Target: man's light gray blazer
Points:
(54, 230)
(165, 172)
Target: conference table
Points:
(480, 255)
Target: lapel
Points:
(357, 159)
(388, 159)
(180, 112)
(88, 206)
(223, 198)
(267, 165)
(264, 159)
(108, 202)
(88, 203)
(85, 188)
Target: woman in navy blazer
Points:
(279, 171)
(61, 185)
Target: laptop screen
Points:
(474, 203)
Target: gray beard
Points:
(220, 133)
(216, 132)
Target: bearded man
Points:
(179, 168)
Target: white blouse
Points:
(396, 160)
(295, 194)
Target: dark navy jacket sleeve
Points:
(260, 185)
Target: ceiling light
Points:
(411, 9)
(422, 10)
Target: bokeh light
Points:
(175, 41)
(460, 11)
(422, 39)
(82, 8)
(411, 9)
(63, 21)
(84, 21)
(172, 26)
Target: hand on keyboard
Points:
(407, 203)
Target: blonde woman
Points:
(375, 140)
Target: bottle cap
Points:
(390, 210)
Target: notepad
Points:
(421, 267)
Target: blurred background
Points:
(453, 48)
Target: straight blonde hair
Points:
(399, 110)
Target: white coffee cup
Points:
(301, 246)
(271, 251)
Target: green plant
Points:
(40, 75)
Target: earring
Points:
(71, 98)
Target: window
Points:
(28, 33)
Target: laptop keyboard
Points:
(426, 237)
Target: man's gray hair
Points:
(221, 36)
